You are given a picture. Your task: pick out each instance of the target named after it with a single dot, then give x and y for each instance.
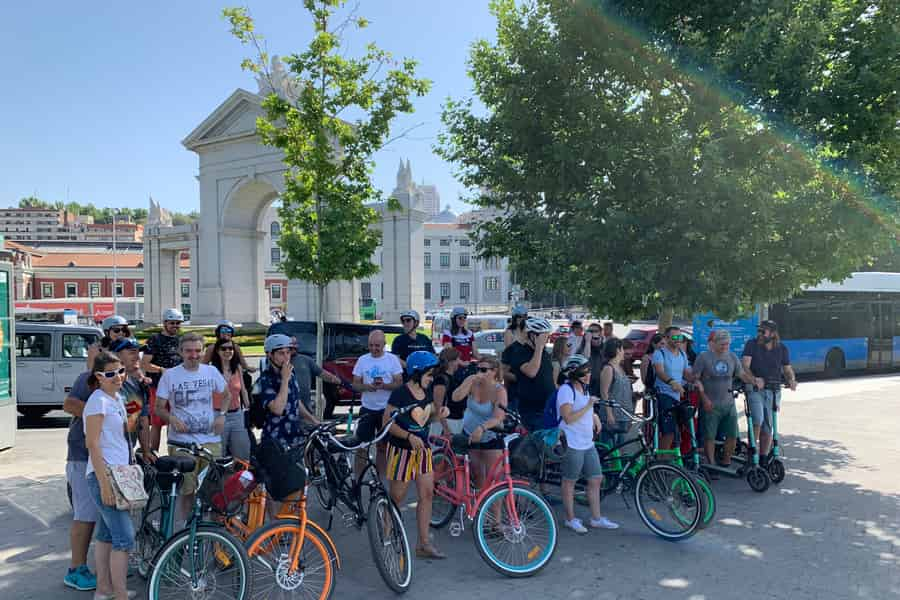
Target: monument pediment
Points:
(234, 118)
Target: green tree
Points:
(638, 186)
(35, 202)
(328, 230)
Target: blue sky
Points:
(99, 95)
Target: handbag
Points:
(127, 481)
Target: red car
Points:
(640, 338)
(562, 330)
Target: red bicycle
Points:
(514, 528)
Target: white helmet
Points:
(172, 314)
(225, 323)
(412, 314)
(113, 321)
(538, 325)
(574, 362)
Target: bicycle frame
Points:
(499, 475)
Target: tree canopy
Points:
(638, 184)
(105, 214)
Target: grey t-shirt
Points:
(77, 451)
(305, 369)
(717, 372)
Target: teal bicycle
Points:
(202, 560)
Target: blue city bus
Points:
(829, 328)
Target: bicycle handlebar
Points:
(327, 430)
(199, 451)
(634, 418)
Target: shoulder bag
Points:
(127, 481)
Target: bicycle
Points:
(336, 487)
(660, 488)
(203, 558)
(517, 544)
(291, 556)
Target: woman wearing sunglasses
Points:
(235, 437)
(225, 332)
(105, 438)
(485, 408)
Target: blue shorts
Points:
(113, 526)
(668, 423)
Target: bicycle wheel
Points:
(210, 563)
(707, 500)
(317, 478)
(271, 552)
(390, 547)
(442, 510)
(668, 501)
(148, 538)
(516, 550)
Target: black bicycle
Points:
(360, 498)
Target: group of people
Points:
(201, 394)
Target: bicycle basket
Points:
(525, 455)
(282, 471)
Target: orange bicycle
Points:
(291, 556)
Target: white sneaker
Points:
(576, 525)
(603, 523)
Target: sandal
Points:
(429, 551)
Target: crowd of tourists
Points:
(202, 395)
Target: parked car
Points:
(562, 330)
(490, 341)
(49, 356)
(640, 338)
(344, 343)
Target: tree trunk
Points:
(665, 317)
(320, 350)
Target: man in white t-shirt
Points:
(199, 399)
(578, 342)
(375, 375)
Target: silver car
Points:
(490, 342)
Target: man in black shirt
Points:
(766, 358)
(531, 366)
(411, 340)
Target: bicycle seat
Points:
(350, 440)
(460, 443)
(169, 464)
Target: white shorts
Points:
(83, 505)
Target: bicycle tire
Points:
(147, 536)
(657, 482)
(707, 501)
(168, 569)
(442, 510)
(487, 536)
(395, 550)
(317, 478)
(271, 576)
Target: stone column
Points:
(404, 269)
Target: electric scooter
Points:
(772, 462)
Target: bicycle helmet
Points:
(420, 361)
(574, 363)
(277, 341)
(172, 314)
(114, 321)
(519, 311)
(458, 311)
(124, 344)
(225, 323)
(538, 325)
(412, 314)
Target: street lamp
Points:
(115, 266)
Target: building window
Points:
(185, 290)
(275, 230)
(445, 260)
(365, 290)
(428, 241)
(464, 261)
(46, 290)
(445, 241)
(466, 242)
(464, 291)
(492, 263)
(491, 284)
(94, 289)
(445, 291)
(275, 255)
(71, 290)
(428, 260)
(275, 291)
(427, 290)
(120, 289)
(139, 289)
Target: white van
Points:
(49, 357)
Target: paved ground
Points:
(831, 530)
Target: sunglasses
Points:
(227, 348)
(111, 374)
(227, 330)
(118, 329)
(677, 338)
(485, 369)
(175, 323)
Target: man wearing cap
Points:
(280, 394)
(136, 394)
(411, 340)
(671, 366)
(769, 361)
(305, 369)
(161, 352)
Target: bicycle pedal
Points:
(349, 519)
(456, 529)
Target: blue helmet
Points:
(124, 344)
(420, 361)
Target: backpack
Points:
(256, 415)
(551, 419)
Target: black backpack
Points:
(256, 415)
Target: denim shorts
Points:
(667, 420)
(113, 526)
(761, 402)
(581, 463)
